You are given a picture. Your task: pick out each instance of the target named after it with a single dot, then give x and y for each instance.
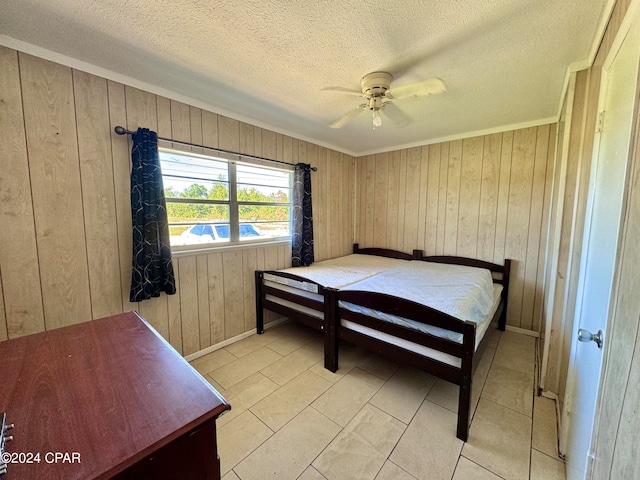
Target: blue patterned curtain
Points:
(152, 268)
(302, 241)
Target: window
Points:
(215, 201)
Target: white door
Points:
(597, 265)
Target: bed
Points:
(383, 310)
(421, 336)
(308, 295)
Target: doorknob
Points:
(587, 336)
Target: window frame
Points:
(233, 205)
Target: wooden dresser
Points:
(108, 398)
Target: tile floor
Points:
(375, 419)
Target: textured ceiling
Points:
(267, 61)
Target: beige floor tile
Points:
(345, 398)
(311, 474)
(445, 394)
(296, 339)
(500, 440)
(245, 394)
(517, 352)
(467, 470)
(231, 476)
(510, 388)
(544, 467)
(379, 366)
(289, 400)
(288, 453)
(545, 434)
(212, 361)
(244, 367)
(390, 471)
(429, 447)
(239, 438)
(250, 344)
(349, 357)
(292, 365)
(403, 393)
(360, 450)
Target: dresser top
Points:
(110, 390)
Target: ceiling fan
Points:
(376, 89)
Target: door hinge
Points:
(600, 122)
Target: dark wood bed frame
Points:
(329, 324)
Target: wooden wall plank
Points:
(422, 202)
(209, 129)
(174, 312)
(19, 254)
(320, 213)
(489, 196)
(392, 199)
(402, 194)
(433, 190)
(503, 196)
(189, 311)
(228, 133)
(216, 298)
(334, 203)
(98, 202)
(469, 207)
(249, 266)
(410, 209)
(180, 123)
(204, 313)
(535, 227)
(524, 143)
(121, 160)
(233, 290)
(370, 193)
(246, 140)
(50, 123)
(453, 198)
(379, 237)
(442, 198)
(539, 295)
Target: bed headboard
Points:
(499, 273)
(385, 252)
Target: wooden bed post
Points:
(417, 254)
(502, 322)
(356, 246)
(466, 372)
(331, 319)
(259, 307)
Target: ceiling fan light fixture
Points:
(377, 120)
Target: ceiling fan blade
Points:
(431, 86)
(348, 91)
(347, 117)
(397, 116)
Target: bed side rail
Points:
(401, 307)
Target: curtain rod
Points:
(123, 131)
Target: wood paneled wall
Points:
(65, 219)
(484, 197)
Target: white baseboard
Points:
(237, 338)
(522, 331)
